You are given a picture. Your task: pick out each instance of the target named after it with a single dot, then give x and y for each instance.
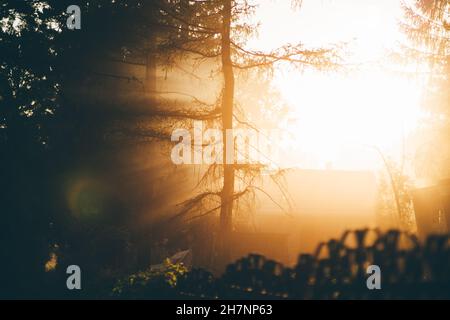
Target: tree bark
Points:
(226, 209)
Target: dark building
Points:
(432, 209)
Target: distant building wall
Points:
(432, 209)
(272, 245)
(320, 204)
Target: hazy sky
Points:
(327, 21)
(337, 115)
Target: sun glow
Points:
(335, 116)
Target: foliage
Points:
(427, 27)
(389, 214)
(151, 282)
(48, 131)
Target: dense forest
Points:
(96, 104)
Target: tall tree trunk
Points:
(227, 127)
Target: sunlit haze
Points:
(336, 117)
